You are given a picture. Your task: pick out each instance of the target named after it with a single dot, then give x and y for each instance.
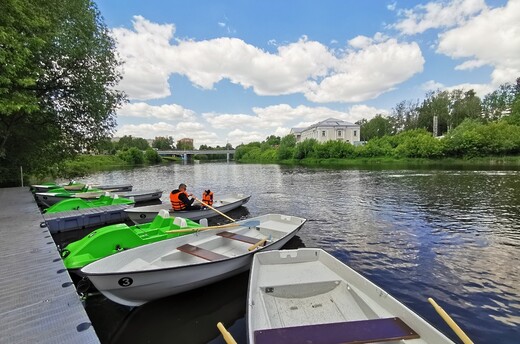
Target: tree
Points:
(435, 104)
(273, 140)
(58, 72)
(184, 145)
(378, 126)
(163, 143)
(128, 141)
(465, 105)
(404, 116)
(497, 103)
(286, 148)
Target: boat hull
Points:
(146, 214)
(48, 199)
(299, 293)
(135, 287)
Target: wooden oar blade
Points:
(251, 223)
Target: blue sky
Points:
(238, 71)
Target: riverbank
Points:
(509, 162)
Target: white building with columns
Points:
(329, 129)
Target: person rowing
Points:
(180, 199)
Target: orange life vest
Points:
(207, 197)
(177, 204)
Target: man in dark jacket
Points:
(180, 199)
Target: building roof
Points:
(329, 122)
(332, 122)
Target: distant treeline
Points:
(467, 127)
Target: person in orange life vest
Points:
(180, 199)
(207, 197)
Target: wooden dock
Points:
(38, 301)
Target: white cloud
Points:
(432, 85)
(370, 72)
(147, 130)
(305, 66)
(179, 131)
(145, 72)
(480, 89)
(239, 136)
(218, 129)
(165, 112)
(437, 15)
(281, 118)
(471, 64)
(492, 38)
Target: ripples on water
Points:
(450, 235)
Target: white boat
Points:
(308, 296)
(49, 198)
(142, 196)
(223, 204)
(134, 277)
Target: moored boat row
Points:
(294, 296)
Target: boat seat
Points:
(161, 219)
(180, 221)
(361, 331)
(201, 252)
(239, 237)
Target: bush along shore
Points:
(471, 143)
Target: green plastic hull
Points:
(78, 203)
(112, 239)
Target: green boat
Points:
(112, 239)
(46, 187)
(79, 203)
(54, 196)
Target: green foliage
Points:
(152, 157)
(496, 104)
(128, 141)
(378, 126)
(184, 145)
(286, 148)
(272, 140)
(163, 143)
(133, 156)
(422, 145)
(57, 82)
(306, 149)
(85, 164)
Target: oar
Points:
(218, 211)
(252, 223)
(228, 338)
(451, 323)
(261, 242)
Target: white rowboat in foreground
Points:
(172, 266)
(308, 296)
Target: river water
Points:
(453, 235)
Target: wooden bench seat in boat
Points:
(201, 252)
(239, 237)
(361, 331)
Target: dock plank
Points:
(38, 302)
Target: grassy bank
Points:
(86, 164)
(510, 162)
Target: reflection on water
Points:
(450, 235)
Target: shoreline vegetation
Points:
(87, 164)
(471, 143)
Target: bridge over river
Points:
(185, 154)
